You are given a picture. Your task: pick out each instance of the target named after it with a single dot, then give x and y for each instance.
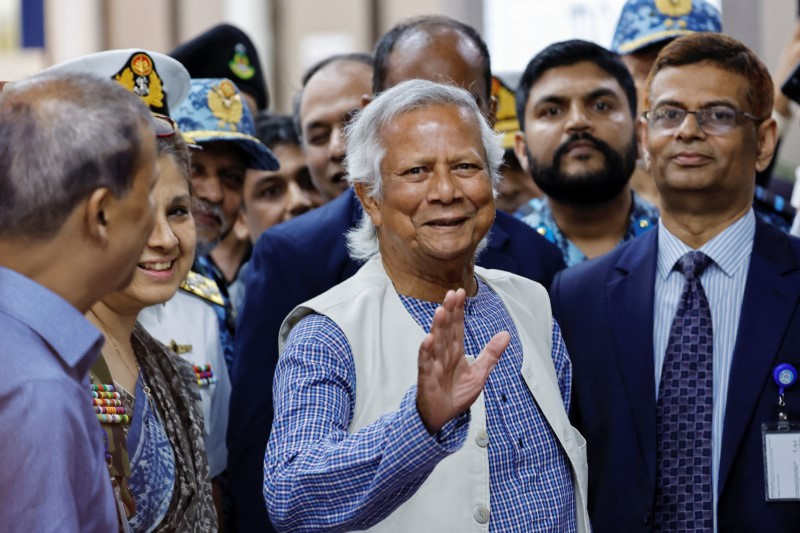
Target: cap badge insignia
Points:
(674, 8)
(139, 76)
(225, 104)
(240, 63)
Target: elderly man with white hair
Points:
(398, 413)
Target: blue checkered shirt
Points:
(317, 477)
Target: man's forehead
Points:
(440, 54)
(578, 79)
(698, 84)
(427, 118)
(338, 83)
(340, 68)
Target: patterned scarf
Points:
(174, 392)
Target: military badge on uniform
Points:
(204, 375)
(139, 76)
(226, 104)
(179, 349)
(240, 63)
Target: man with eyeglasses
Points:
(683, 341)
(577, 105)
(644, 28)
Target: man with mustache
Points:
(215, 117)
(577, 103)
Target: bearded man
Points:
(576, 104)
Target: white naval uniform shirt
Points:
(190, 321)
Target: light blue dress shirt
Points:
(53, 475)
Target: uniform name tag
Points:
(782, 461)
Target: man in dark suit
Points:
(625, 315)
(302, 258)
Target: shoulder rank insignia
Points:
(240, 63)
(139, 76)
(226, 104)
(203, 287)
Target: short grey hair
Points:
(63, 136)
(365, 151)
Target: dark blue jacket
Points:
(605, 309)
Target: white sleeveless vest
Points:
(385, 339)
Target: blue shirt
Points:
(317, 476)
(537, 214)
(723, 282)
(53, 475)
(205, 266)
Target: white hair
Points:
(365, 151)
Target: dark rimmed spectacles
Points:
(714, 120)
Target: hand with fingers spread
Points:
(447, 382)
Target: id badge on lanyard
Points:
(781, 441)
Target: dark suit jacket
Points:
(291, 263)
(605, 309)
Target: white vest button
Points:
(481, 514)
(482, 438)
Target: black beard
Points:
(591, 188)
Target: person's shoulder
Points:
(599, 270)
(522, 236)
(503, 277)
(531, 211)
(191, 306)
(770, 241)
(202, 287)
(26, 357)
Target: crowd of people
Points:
(206, 306)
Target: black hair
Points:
(389, 40)
(276, 128)
(568, 53)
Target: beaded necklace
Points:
(134, 372)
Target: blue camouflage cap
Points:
(215, 111)
(646, 22)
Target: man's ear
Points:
(370, 204)
(365, 100)
(240, 228)
(96, 213)
(767, 140)
(520, 145)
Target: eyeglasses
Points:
(164, 126)
(714, 120)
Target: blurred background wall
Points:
(291, 35)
